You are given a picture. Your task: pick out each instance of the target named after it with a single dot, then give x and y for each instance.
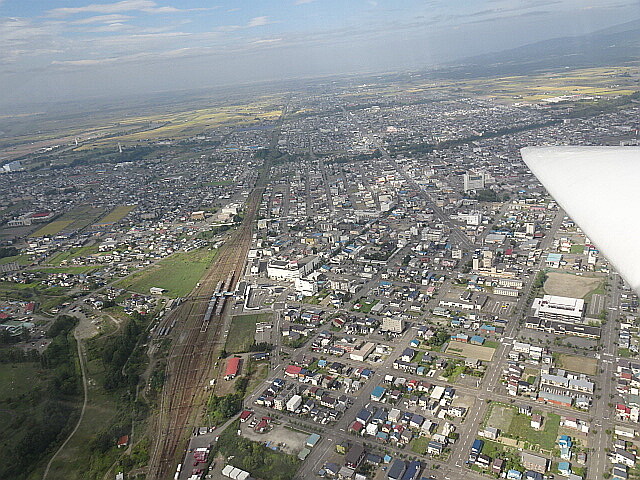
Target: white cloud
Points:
(122, 6)
(258, 22)
(302, 2)
(147, 6)
(102, 19)
(267, 41)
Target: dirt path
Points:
(85, 389)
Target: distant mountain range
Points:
(612, 46)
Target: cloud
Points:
(102, 19)
(122, 6)
(146, 6)
(258, 22)
(303, 2)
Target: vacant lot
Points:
(500, 416)
(289, 441)
(575, 363)
(474, 351)
(177, 274)
(570, 285)
(242, 332)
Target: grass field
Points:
(17, 379)
(242, 332)
(467, 350)
(419, 445)
(178, 274)
(116, 214)
(545, 438)
(575, 363)
(52, 228)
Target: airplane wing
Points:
(599, 188)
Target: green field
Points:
(178, 274)
(20, 259)
(242, 332)
(545, 438)
(116, 214)
(577, 249)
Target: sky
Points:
(59, 50)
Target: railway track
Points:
(198, 333)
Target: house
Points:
(354, 456)
(536, 421)
(491, 433)
(497, 466)
(534, 462)
(232, 368)
(378, 393)
(565, 444)
(123, 441)
(483, 461)
(625, 458)
(397, 470)
(245, 415)
(532, 475)
(514, 475)
(435, 448)
(564, 468)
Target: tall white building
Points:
(473, 181)
(561, 309)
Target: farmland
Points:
(52, 228)
(76, 219)
(116, 214)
